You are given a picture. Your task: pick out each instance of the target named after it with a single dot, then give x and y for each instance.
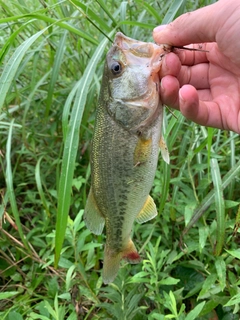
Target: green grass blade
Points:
(70, 149)
(193, 314)
(55, 71)
(39, 186)
(10, 188)
(172, 132)
(51, 75)
(172, 11)
(150, 10)
(210, 142)
(3, 203)
(209, 199)
(140, 20)
(10, 40)
(165, 187)
(91, 15)
(61, 23)
(219, 205)
(167, 168)
(123, 14)
(67, 107)
(105, 9)
(66, 26)
(233, 151)
(173, 127)
(137, 24)
(28, 104)
(210, 147)
(12, 65)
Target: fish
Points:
(125, 147)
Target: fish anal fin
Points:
(111, 262)
(142, 151)
(92, 216)
(164, 150)
(130, 253)
(148, 212)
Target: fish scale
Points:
(125, 148)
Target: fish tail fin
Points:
(111, 265)
(111, 262)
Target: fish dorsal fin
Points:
(148, 212)
(164, 150)
(92, 216)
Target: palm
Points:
(217, 85)
(204, 86)
(221, 92)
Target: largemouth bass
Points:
(125, 148)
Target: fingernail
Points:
(182, 100)
(160, 28)
(162, 85)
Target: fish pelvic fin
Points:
(92, 216)
(164, 150)
(111, 262)
(148, 212)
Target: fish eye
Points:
(116, 68)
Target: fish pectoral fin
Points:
(92, 216)
(148, 212)
(142, 151)
(164, 150)
(111, 262)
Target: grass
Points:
(52, 55)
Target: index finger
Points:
(190, 58)
(192, 27)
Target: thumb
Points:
(193, 27)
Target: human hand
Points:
(204, 86)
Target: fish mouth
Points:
(140, 49)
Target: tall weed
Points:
(52, 55)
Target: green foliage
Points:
(52, 55)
